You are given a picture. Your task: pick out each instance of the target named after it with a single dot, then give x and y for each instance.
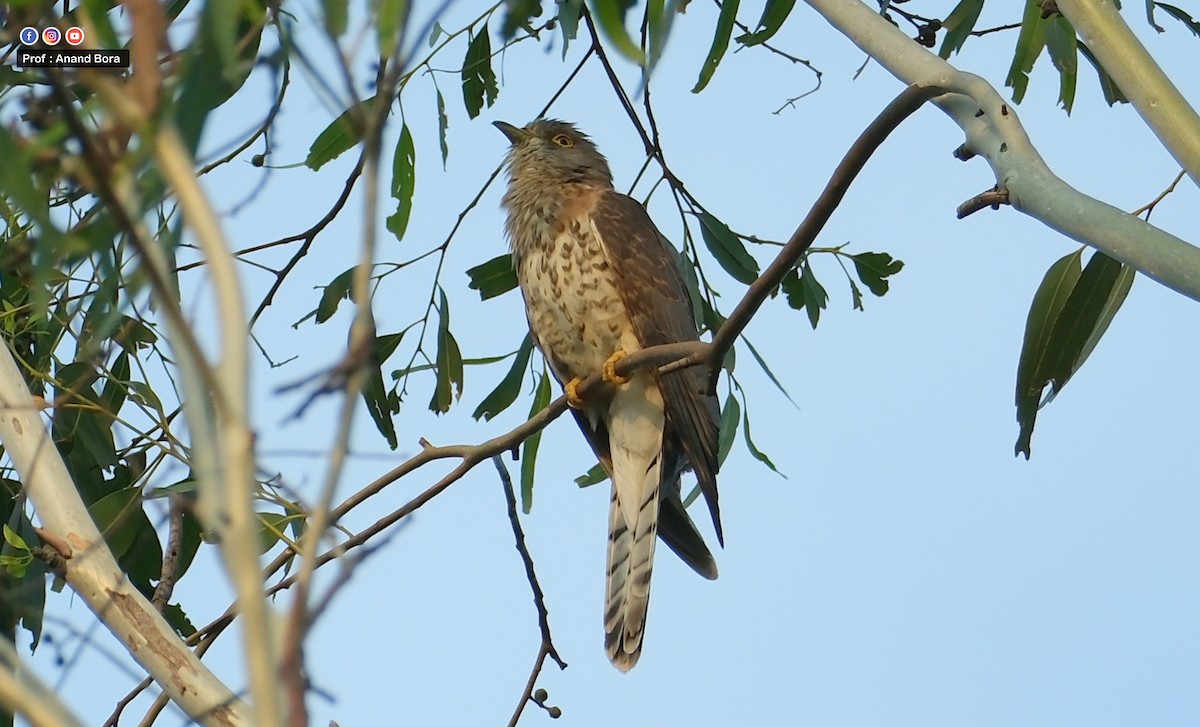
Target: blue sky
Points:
(908, 569)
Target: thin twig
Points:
(539, 599)
(1148, 208)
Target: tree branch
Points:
(1149, 90)
(546, 648)
(994, 133)
(93, 573)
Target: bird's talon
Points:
(574, 400)
(609, 371)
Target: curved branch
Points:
(91, 570)
(994, 133)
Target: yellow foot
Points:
(609, 370)
(574, 400)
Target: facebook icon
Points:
(28, 36)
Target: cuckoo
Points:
(600, 282)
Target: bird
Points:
(600, 282)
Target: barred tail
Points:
(630, 564)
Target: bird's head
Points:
(549, 151)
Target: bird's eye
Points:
(564, 141)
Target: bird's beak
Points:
(515, 134)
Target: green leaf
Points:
(1063, 48)
(178, 620)
(874, 269)
(116, 514)
(775, 12)
(218, 62)
(1112, 304)
(404, 180)
(494, 277)
(731, 413)
(529, 449)
(767, 369)
(336, 14)
(333, 294)
(342, 134)
(478, 78)
(443, 124)
(449, 363)
(381, 403)
(720, 43)
(1079, 320)
(729, 251)
(594, 476)
(509, 387)
(660, 16)
(1030, 42)
(958, 25)
(569, 12)
(1048, 302)
(1112, 94)
(805, 292)
(270, 529)
(518, 14)
(610, 16)
(755, 451)
(390, 16)
(113, 395)
(1181, 16)
(16, 541)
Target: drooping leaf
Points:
(178, 619)
(449, 363)
(569, 12)
(1030, 42)
(1112, 93)
(494, 277)
(1089, 306)
(443, 125)
(958, 25)
(755, 452)
(610, 16)
(729, 251)
(342, 134)
(805, 292)
(762, 364)
(731, 415)
(333, 295)
(478, 78)
(404, 180)
(874, 269)
(271, 526)
(1063, 47)
(116, 516)
(1048, 301)
(594, 476)
(518, 14)
(381, 403)
(509, 387)
(773, 15)
(1181, 16)
(390, 17)
(529, 449)
(720, 43)
(112, 396)
(660, 16)
(219, 61)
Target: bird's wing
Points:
(656, 299)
